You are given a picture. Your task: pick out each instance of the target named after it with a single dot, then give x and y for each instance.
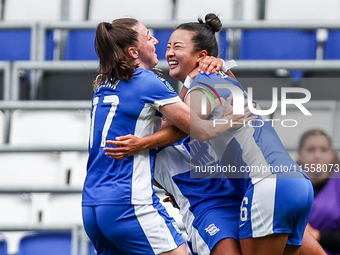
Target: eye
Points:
(310, 149)
(324, 149)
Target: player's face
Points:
(180, 54)
(316, 150)
(146, 47)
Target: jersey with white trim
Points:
(195, 192)
(119, 109)
(250, 153)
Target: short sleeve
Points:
(157, 91)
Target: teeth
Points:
(173, 62)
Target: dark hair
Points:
(314, 132)
(112, 39)
(204, 38)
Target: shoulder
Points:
(155, 81)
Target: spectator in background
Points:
(321, 162)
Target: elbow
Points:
(201, 136)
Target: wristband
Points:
(187, 82)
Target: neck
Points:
(193, 73)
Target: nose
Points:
(155, 40)
(169, 52)
(318, 154)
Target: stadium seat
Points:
(15, 209)
(108, 10)
(39, 127)
(269, 44)
(31, 169)
(331, 50)
(42, 243)
(32, 10)
(15, 44)
(63, 209)
(70, 85)
(2, 127)
(48, 128)
(49, 45)
(302, 10)
(223, 44)
(190, 10)
(277, 44)
(3, 246)
(80, 45)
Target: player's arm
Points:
(129, 145)
(205, 129)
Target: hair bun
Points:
(213, 22)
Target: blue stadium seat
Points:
(277, 44)
(223, 44)
(285, 44)
(3, 247)
(80, 45)
(332, 50)
(15, 44)
(49, 45)
(42, 243)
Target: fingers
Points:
(209, 65)
(123, 138)
(118, 155)
(115, 149)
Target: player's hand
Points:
(126, 146)
(237, 120)
(210, 64)
(170, 199)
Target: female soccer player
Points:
(275, 204)
(121, 213)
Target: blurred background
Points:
(48, 64)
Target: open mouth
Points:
(172, 64)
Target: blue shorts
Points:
(212, 226)
(131, 229)
(277, 204)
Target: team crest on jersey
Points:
(212, 229)
(166, 83)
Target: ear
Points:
(202, 54)
(133, 52)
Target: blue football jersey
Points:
(118, 109)
(195, 193)
(250, 153)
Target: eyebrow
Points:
(176, 43)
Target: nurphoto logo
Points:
(239, 97)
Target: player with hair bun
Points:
(275, 205)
